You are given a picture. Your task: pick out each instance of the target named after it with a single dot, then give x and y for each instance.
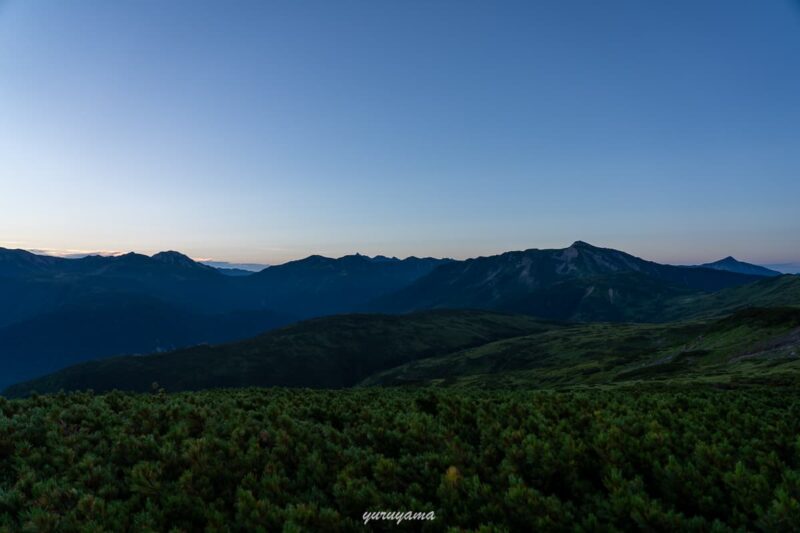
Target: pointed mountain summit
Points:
(729, 264)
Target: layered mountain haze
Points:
(167, 301)
(60, 312)
(786, 268)
(31, 283)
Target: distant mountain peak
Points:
(311, 259)
(732, 264)
(171, 253)
(171, 257)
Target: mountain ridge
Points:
(505, 281)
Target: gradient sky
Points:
(267, 131)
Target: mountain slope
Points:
(114, 325)
(779, 291)
(328, 352)
(579, 282)
(729, 264)
(751, 343)
(462, 348)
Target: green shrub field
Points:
(296, 460)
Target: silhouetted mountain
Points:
(579, 282)
(15, 263)
(23, 264)
(319, 285)
(729, 264)
(163, 265)
(60, 311)
(178, 259)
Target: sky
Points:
(262, 132)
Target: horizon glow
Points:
(266, 132)
(786, 268)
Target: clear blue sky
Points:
(267, 131)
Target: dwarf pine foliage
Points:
(271, 460)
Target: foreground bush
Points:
(249, 460)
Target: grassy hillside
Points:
(299, 460)
(588, 353)
(458, 348)
(780, 291)
(328, 352)
(749, 343)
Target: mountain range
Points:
(133, 303)
(60, 312)
(581, 282)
